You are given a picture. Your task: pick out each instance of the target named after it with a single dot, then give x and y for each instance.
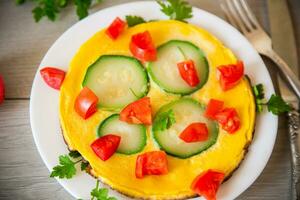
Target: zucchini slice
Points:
(186, 111)
(164, 71)
(117, 81)
(133, 136)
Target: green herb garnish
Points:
(74, 154)
(133, 20)
(164, 121)
(182, 52)
(275, 104)
(51, 8)
(176, 9)
(259, 97)
(134, 94)
(101, 193)
(84, 165)
(65, 169)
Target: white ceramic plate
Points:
(44, 116)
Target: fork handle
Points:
(291, 77)
(294, 137)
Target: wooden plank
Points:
(24, 42)
(23, 175)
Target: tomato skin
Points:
(194, 132)
(188, 72)
(230, 75)
(151, 163)
(139, 166)
(2, 89)
(53, 77)
(142, 47)
(86, 103)
(208, 183)
(105, 146)
(137, 112)
(115, 28)
(213, 107)
(229, 119)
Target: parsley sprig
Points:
(164, 121)
(66, 168)
(133, 20)
(275, 104)
(51, 8)
(176, 9)
(100, 193)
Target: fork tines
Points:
(240, 15)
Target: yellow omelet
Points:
(119, 171)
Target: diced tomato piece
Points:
(213, 107)
(142, 47)
(138, 112)
(2, 90)
(195, 132)
(207, 184)
(105, 146)
(53, 77)
(115, 28)
(86, 103)
(139, 166)
(230, 75)
(188, 72)
(151, 163)
(229, 119)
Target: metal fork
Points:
(239, 15)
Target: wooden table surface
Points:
(23, 43)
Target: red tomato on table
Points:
(2, 90)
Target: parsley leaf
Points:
(277, 105)
(74, 154)
(134, 20)
(82, 7)
(259, 97)
(38, 13)
(101, 193)
(164, 121)
(176, 9)
(65, 169)
(62, 3)
(51, 8)
(19, 2)
(84, 165)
